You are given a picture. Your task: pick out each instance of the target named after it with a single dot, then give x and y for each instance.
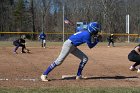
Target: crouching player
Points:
(71, 46)
(20, 43)
(134, 56)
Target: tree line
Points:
(47, 15)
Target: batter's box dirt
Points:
(107, 67)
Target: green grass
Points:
(5, 43)
(29, 43)
(38, 44)
(71, 90)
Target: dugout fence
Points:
(58, 37)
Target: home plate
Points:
(71, 77)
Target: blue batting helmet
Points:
(93, 27)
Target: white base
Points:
(68, 76)
(71, 77)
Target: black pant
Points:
(19, 45)
(134, 56)
(110, 41)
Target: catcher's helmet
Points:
(93, 27)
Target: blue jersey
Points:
(82, 37)
(42, 36)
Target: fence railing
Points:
(58, 36)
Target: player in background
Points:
(110, 40)
(134, 56)
(42, 37)
(71, 46)
(20, 43)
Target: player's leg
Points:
(112, 43)
(67, 47)
(44, 43)
(63, 54)
(16, 47)
(79, 54)
(134, 57)
(136, 64)
(23, 48)
(137, 60)
(41, 42)
(109, 43)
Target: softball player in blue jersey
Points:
(42, 37)
(70, 46)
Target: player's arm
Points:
(137, 49)
(97, 38)
(92, 44)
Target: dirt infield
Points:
(107, 67)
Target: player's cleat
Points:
(138, 71)
(44, 78)
(15, 52)
(132, 68)
(28, 51)
(79, 77)
(23, 52)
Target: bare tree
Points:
(46, 15)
